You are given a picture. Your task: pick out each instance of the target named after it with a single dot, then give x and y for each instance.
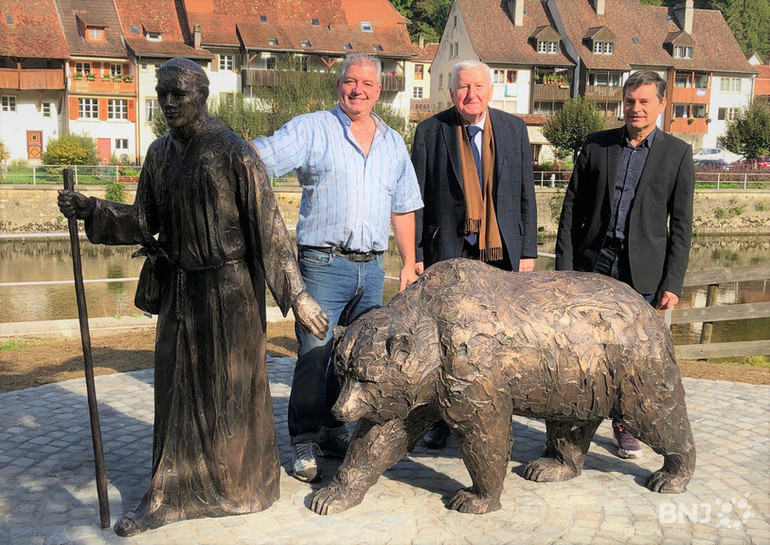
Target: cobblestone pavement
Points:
(48, 496)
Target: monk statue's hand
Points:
(310, 316)
(75, 205)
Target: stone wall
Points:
(34, 210)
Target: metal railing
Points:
(703, 179)
(84, 174)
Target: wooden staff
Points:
(85, 336)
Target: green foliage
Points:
(5, 153)
(159, 125)
(12, 346)
(70, 149)
(567, 129)
(761, 207)
(242, 116)
(397, 122)
(115, 192)
(749, 133)
(750, 22)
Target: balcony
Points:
(99, 85)
(603, 92)
(543, 92)
(689, 125)
(392, 82)
(12, 78)
(690, 95)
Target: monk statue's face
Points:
(180, 97)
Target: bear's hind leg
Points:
(565, 451)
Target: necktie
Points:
(473, 130)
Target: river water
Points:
(49, 260)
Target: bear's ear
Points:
(399, 347)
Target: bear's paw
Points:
(333, 499)
(466, 500)
(666, 483)
(548, 470)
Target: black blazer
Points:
(660, 220)
(436, 159)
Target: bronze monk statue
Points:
(210, 226)
(473, 345)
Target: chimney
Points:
(516, 12)
(684, 12)
(599, 7)
(421, 41)
(197, 36)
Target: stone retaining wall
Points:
(34, 210)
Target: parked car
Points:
(712, 164)
(763, 162)
(715, 154)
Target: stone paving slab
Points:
(48, 495)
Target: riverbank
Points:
(33, 209)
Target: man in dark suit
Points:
(474, 168)
(628, 208)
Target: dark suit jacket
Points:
(436, 159)
(660, 220)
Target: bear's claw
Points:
(467, 501)
(331, 500)
(665, 483)
(548, 470)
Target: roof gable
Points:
(78, 15)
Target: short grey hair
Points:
(645, 77)
(468, 65)
(360, 58)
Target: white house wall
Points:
(455, 46)
(721, 99)
(146, 81)
(29, 117)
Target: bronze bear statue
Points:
(472, 345)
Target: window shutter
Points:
(73, 107)
(215, 64)
(103, 109)
(132, 111)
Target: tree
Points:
(244, 117)
(71, 149)
(567, 129)
(749, 133)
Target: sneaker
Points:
(304, 462)
(437, 436)
(333, 442)
(628, 445)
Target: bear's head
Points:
(386, 368)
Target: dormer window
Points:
(549, 47)
(683, 52)
(366, 26)
(272, 41)
(377, 47)
(95, 34)
(316, 22)
(9, 18)
(263, 18)
(153, 36)
(603, 48)
(304, 43)
(347, 45)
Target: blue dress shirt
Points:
(347, 197)
(631, 163)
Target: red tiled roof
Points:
(762, 81)
(93, 12)
(230, 22)
(156, 16)
(497, 41)
(35, 31)
(642, 32)
(425, 53)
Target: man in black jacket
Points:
(628, 208)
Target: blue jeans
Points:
(345, 290)
(615, 265)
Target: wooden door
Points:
(34, 145)
(104, 150)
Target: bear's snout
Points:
(349, 405)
